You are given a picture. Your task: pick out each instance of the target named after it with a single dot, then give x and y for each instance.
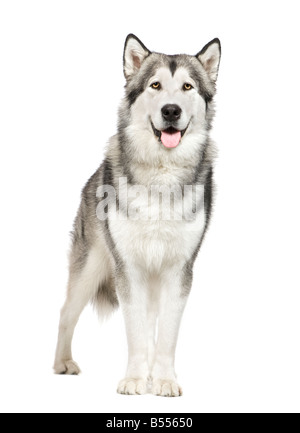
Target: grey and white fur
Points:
(145, 266)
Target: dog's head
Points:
(168, 98)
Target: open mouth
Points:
(169, 137)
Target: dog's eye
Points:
(187, 86)
(155, 86)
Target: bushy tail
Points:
(105, 301)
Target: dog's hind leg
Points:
(70, 313)
(83, 287)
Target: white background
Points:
(60, 85)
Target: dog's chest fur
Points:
(156, 244)
(153, 240)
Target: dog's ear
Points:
(135, 53)
(210, 56)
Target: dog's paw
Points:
(130, 386)
(166, 388)
(67, 367)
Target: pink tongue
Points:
(170, 140)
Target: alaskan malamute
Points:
(144, 213)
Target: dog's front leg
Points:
(174, 293)
(133, 299)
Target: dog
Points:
(125, 250)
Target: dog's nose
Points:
(171, 112)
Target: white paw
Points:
(67, 367)
(132, 386)
(166, 388)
